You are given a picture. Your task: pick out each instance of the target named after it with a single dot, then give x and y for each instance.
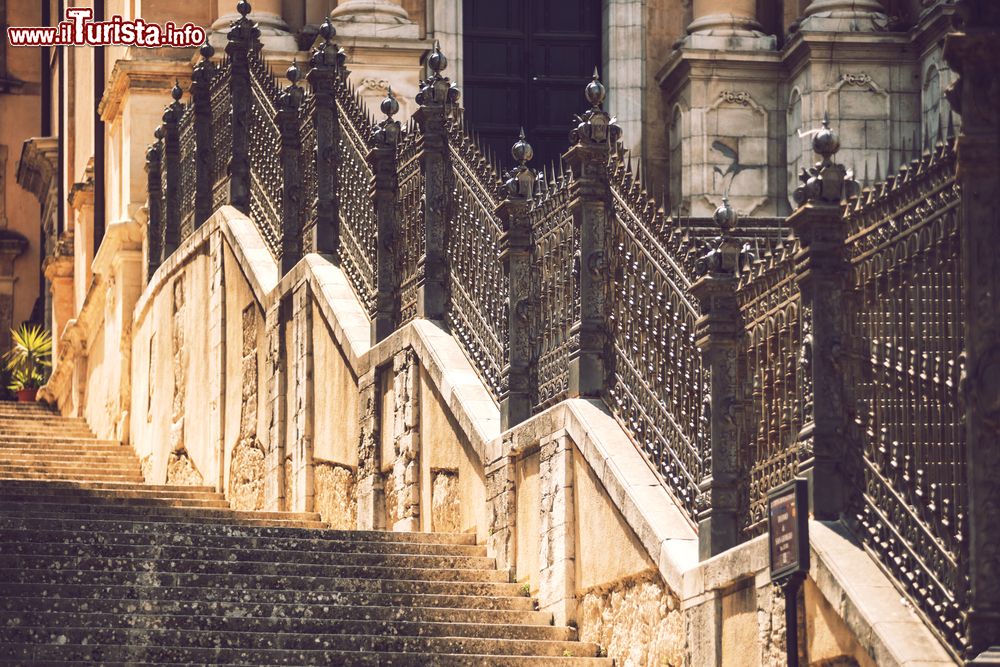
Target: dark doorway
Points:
(526, 65)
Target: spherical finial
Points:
(243, 7)
(437, 62)
(522, 150)
(292, 73)
(826, 142)
(206, 50)
(176, 92)
(389, 106)
(725, 216)
(327, 31)
(158, 132)
(596, 91)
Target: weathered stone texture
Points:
(246, 476)
(146, 464)
(181, 470)
(771, 623)
(446, 508)
(404, 508)
(637, 622)
(336, 497)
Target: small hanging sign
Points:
(788, 529)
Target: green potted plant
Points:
(28, 361)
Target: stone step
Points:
(9, 425)
(114, 466)
(195, 608)
(133, 565)
(70, 477)
(24, 542)
(13, 571)
(222, 529)
(154, 523)
(70, 493)
(71, 501)
(56, 657)
(38, 509)
(112, 644)
(328, 623)
(71, 472)
(44, 488)
(84, 461)
(54, 439)
(142, 594)
(23, 410)
(232, 538)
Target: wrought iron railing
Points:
(907, 324)
(189, 172)
(411, 192)
(222, 133)
(264, 147)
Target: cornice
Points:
(153, 75)
(37, 166)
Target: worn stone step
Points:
(24, 543)
(329, 623)
(140, 564)
(9, 489)
(26, 410)
(105, 639)
(142, 512)
(66, 458)
(10, 425)
(143, 657)
(47, 487)
(12, 570)
(70, 477)
(55, 439)
(112, 468)
(158, 594)
(152, 524)
(18, 607)
(228, 538)
(72, 501)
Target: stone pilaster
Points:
(821, 275)
(435, 98)
(971, 53)
(515, 253)
(719, 333)
(277, 401)
(58, 270)
(588, 158)
(301, 495)
(557, 546)
(370, 491)
(405, 476)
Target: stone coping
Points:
(847, 576)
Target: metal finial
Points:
(327, 31)
(825, 141)
(390, 105)
(726, 216)
(158, 132)
(206, 50)
(292, 73)
(522, 150)
(176, 92)
(437, 60)
(243, 7)
(595, 91)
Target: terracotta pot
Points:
(27, 395)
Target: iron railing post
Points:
(515, 253)
(201, 98)
(287, 121)
(970, 53)
(244, 37)
(719, 333)
(154, 219)
(592, 140)
(172, 165)
(326, 73)
(385, 197)
(435, 98)
(822, 272)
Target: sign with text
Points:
(788, 528)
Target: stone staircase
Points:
(98, 567)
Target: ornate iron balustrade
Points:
(410, 177)
(308, 158)
(479, 296)
(189, 172)
(554, 268)
(771, 311)
(907, 326)
(656, 388)
(264, 147)
(222, 133)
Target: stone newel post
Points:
(719, 332)
(515, 253)
(326, 74)
(972, 53)
(385, 196)
(822, 273)
(588, 158)
(435, 97)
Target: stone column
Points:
(727, 24)
(58, 269)
(719, 333)
(822, 272)
(385, 196)
(844, 16)
(971, 53)
(274, 32)
(588, 158)
(515, 253)
(373, 18)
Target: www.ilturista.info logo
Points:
(79, 30)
